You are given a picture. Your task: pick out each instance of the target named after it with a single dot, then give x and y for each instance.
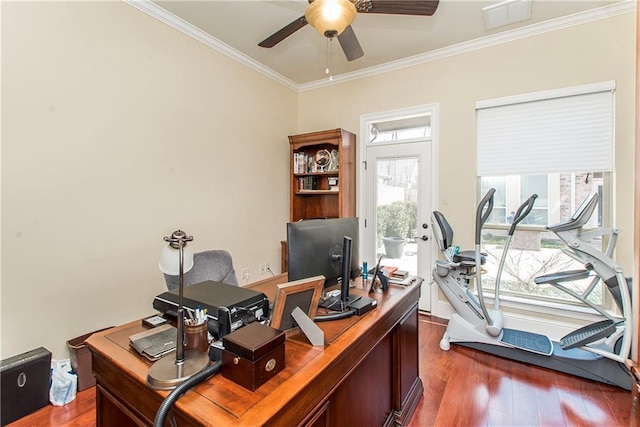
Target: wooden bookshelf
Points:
(313, 192)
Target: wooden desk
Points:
(367, 374)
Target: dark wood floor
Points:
(463, 387)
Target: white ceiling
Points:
(387, 40)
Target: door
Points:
(398, 197)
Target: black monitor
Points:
(315, 247)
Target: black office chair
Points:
(444, 237)
(216, 265)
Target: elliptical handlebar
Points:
(482, 214)
(522, 213)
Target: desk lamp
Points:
(167, 373)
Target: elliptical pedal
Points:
(528, 341)
(588, 334)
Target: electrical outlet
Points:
(245, 274)
(267, 267)
(263, 268)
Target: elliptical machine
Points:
(597, 351)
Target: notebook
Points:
(156, 342)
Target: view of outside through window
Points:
(397, 212)
(535, 251)
(397, 192)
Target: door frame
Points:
(433, 110)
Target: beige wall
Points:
(116, 130)
(594, 52)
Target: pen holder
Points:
(196, 337)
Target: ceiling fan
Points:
(341, 25)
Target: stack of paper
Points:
(406, 281)
(400, 274)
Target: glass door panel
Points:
(396, 212)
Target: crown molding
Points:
(179, 24)
(604, 12)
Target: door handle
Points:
(424, 236)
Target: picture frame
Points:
(303, 293)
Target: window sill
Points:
(547, 307)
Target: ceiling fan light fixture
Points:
(330, 17)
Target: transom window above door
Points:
(400, 129)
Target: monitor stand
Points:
(334, 303)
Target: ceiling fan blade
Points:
(283, 33)
(398, 7)
(350, 44)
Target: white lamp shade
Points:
(170, 260)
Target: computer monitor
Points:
(315, 247)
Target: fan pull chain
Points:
(329, 58)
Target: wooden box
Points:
(253, 355)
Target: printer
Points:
(228, 307)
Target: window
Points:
(558, 145)
(499, 212)
(537, 184)
(401, 129)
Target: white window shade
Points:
(555, 131)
